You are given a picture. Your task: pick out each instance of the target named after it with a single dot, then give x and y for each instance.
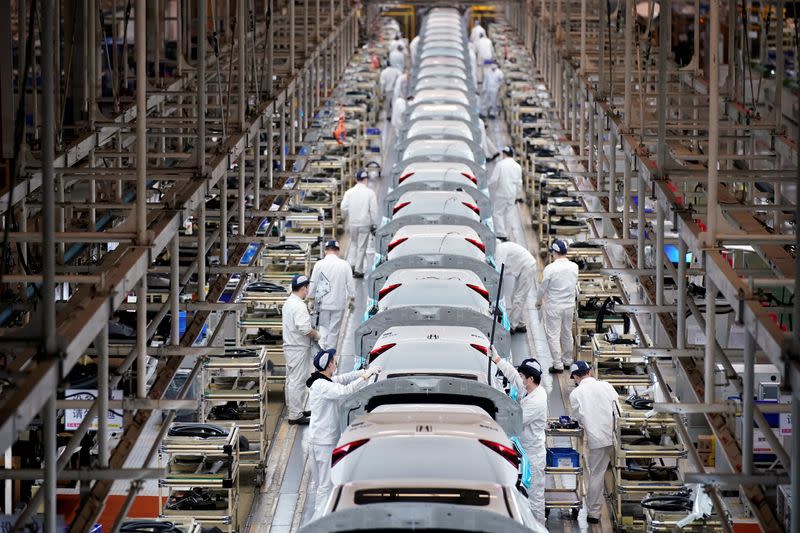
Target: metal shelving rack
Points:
(562, 497)
(187, 457)
(243, 380)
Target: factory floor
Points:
(284, 502)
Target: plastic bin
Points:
(563, 458)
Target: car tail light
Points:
(396, 242)
(480, 290)
(342, 451)
(404, 177)
(473, 207)
(399, 206)
(380, 349)
(386, 290)
(509, 454)
(477, 243)
(470, 177)
(481, 348)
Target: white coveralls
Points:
(331, 288)
(492, 81)
(485, 51)
(534, 423)
(518, 277)
(324, 399)
(473, 62)
(360, 209)
(592, 405)
(388, 78)
(298, 353)
(489, 149)
(397, 59)
(398, 108)
(412, 48)
(558, 288)
(401, 86)
(476, 33)
(505, 185)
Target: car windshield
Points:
(451, 128)
(440, 110)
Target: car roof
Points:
(410, 333)
(441, 358)
(440, 196)
(439, 148)
(411, 275)
(436, 243)
(426, 110)
(450, 128)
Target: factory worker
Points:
(558, 289)
(332, 290)
(387, 80)
(325, 394)
(298, 335)
(473, 61)
(484, 50)
(489, 149)
(397, 57)
(400, 106)
(505, 186)
(360, 210)
(518, 277)
(477, 32)
(592, 403)
(527, 379)
(401, 85)
(492, 81)
(412, 48)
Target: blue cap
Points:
(579, 367)
(362, 175)
(559, 246)
(508, 150)
(299, 281)
(332, 244)
(323, 359)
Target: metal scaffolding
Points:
(644, 129)
(127, 122)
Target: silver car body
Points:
(431, 287)
(457, 203)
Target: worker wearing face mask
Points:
(505, 186)
(360, 209)
(527, 380)
(325, 394)
(298, 335)
(518, 276)
(490, 97)
(558, 290)
(332, 290)
(592, 403)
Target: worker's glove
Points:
(371, 371)
(372, 229)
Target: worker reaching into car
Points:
(518, 277)
(532, 397)
(298, 334)
(332, 290)
(558, 290)
(325, 394)
(592, 403)
(505, 185)
(360, 209)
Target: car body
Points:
(440, 149)
(460, 174)
(442, 96)
(452, 129)
(441, 83)
(453, 240)
(440, 111)
(431, 436)
(428, 202)
(442, 51)
(441, 61)
(440, 72)
(433, 287)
